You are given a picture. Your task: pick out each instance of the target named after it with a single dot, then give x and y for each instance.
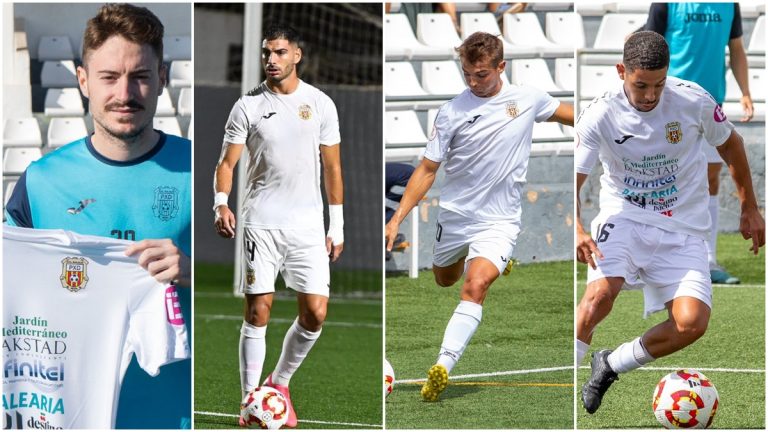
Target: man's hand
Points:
(333, 250)
(752, 226)
(746, 105)
(225, 222)
(390, 232)
(163, 260)
(585, 248)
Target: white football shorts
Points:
(664, 264)
(299, 255)
(458, 236)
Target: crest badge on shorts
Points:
(305, 112)
(250, 277)
(166, 204)
(674, 132)
(74, 273)
(512, 110)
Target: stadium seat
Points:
(63, 102)
(403, 128)
(565, 73)
(177, 48)
(401, 42)
(181, 73)
(596, 80)
(22, 132)
(442, 78)
(10, 184)
(64, 130)
(615, 27)
(566, 29)
(549, 7)
(17, 159)
(401, 80)
(486, 22)
(757, 40)
(436, 30)
(524, 31)
(757, 86)
(191, 131)
(595, 9)
(734, 112)
(533, 72)
(185, 101)
(751, 9)
(58, 74)
(547, 131)
(54, 48)
(165, 105)
(635, 6)
(567, 131)
(169, 125)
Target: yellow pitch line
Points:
(497, 384)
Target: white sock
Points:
(253, 348)
(297, 343)
(581, 351)
(711, 242)
(629, 356)
(459, 331)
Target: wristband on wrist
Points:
(336, 223)
(220, 199)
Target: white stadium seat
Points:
(177, 48)
(486, 22)
(596, 80)
(169, 125)
(547, 131)
(22, 132)
(63, 102)
(401, 41)
(523, 30)
(185, 101)
(17, 159)
(191, 131)
(181, 73)
(403, 128)
(565, 73)
(757, 86)
(751, 9)
(757, 40)
(595, 8)
(401, 80)
(533, 72)
(615, 27)
(165, 105)
(55, 48)
(635, 6)
(442, 78)
(58, 74)
(437, 30)
(734, 112)
(566, 28)
(64, 130)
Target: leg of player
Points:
(253, 347)
(448, 275)
(687, 322)
(462, 325)
(299, 339)
(716, 272)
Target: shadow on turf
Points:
(451, 392)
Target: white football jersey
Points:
(75, 309)
(485, 144)
(283, 134)
(653, 169)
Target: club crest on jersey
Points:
(305, 112)
(74, 273)
(166, 204)
(674, 132)
(512, 110)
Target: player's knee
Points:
(313, 320)
(475, 287)
(691, 330)
(444, 280)
(258, 314)
(596, 304)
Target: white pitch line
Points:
(672, 368)
(215, 414)
(289, 321)
(491, 374)
(738, 286)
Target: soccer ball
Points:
(265, 408)
(685, 399)
(389, 378)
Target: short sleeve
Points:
(236, 130)
(439, 137)
(546, 106)
(657, 18)
(736, 29)
(157, 334)
(17, 209)
(329, 129)
(588, 139)
(715, 126)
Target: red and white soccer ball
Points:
(265, 408)
(389, 378)
(685, 399)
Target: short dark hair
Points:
(646, 50)
(480, 46)
(282, 31)
(136, 24)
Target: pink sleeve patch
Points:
(173, 307)
(719, 115)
